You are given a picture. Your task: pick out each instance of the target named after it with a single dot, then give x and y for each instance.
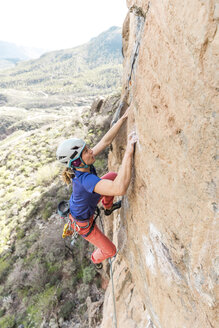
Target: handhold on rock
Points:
(133, 137)
(123, 105)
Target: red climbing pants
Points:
(105, 248)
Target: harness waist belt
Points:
(91, 223)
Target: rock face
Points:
(166, 272)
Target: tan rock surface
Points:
(166, 273)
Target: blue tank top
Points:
(83, 199)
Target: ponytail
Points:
(68, 175)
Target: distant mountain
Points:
(92, 68)
(11, 54)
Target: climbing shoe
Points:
(113, 208)
(98, 266)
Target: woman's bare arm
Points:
(110, 135)
(119, 186)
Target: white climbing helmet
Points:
(70, 150)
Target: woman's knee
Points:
(109, 176)
(113, 251)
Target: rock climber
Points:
(89, 189)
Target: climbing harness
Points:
(71, 228)
(77, 228)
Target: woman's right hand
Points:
(132, 139)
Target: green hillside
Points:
(90, 69)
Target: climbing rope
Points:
(114, 300)
(111, 276)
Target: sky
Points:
(57, 24)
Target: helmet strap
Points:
(80, 167)
(85, 165)
(80, 157)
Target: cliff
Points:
(165, 274)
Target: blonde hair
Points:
(67, 175)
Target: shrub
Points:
(88, 273)
(66, 310)
(4, 269)
(42, 304)
(2, 312)
(46, 174)
(7, 321)
(20, 233)
(63, 193)
(17, 276)
(47, 211)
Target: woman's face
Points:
(87, 155)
